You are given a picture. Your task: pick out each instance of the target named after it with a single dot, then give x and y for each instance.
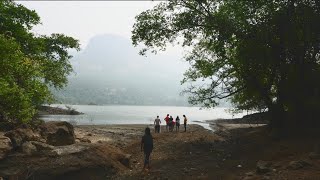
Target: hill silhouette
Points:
(110, 71)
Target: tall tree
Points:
(261, 54)
(29, 64)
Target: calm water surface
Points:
(111, 114)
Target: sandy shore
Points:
(117, 135)
(203, 154)
(232, 151)
(121, 135)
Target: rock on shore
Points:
(50, 152)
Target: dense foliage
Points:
(261, 54)
(29, 64)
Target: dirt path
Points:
(202, 154)
(113, 152)
(195, 154)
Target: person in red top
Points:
(167, 121)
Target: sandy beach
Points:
(231, 152)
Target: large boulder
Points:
(58, 133)
(20, 135)
(5, 146)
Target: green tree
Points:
(30, 64)
(261, 54)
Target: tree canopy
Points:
(260, 54)
(29, 64)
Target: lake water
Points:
(111, 114)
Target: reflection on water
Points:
(96, 115)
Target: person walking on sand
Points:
(157, 123)
(185, 120)
(167, 121)
(177, 123)
(147, 147)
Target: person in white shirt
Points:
(157, 123)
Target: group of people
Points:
(170, 123)
(147, 140)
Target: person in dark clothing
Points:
(177, 123)
(185, 120)
(147, 147)
(171, 124)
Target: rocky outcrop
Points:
(58, 133)
(30, 141)
(45, 110)
(21, 135)
(5, 146)
(76, 161)
(51, 153)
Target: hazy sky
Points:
(84, 19)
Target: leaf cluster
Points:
(29, 63)
(261, 54)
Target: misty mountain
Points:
(110, 71)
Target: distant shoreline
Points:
(93, 104)
(49, 110)
(247, 121)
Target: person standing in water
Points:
(157, 123)
(147, 147)
(185, 120)
(177, 123)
